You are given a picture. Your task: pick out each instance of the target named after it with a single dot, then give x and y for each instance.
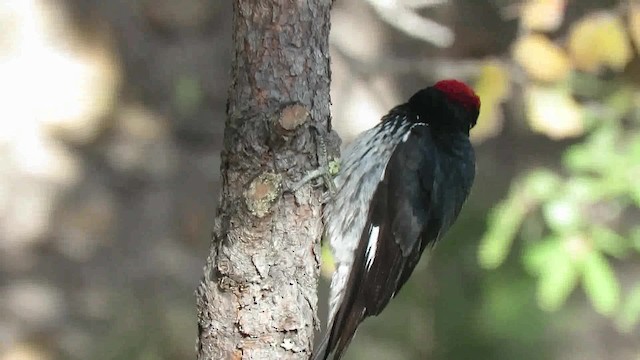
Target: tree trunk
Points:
(257, 299)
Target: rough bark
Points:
(257, 299)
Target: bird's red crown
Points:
(459, 92)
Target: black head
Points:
(448, 105)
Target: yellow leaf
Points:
(541, 58)
(553, 112)
(492, 87)
(327, 265)
(634, 24)
(542, 15)
(599, 40)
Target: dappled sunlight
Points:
(55, 88)
(65, 134)
(362, 111)
(55, 83)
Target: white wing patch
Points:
(372, 245)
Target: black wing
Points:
(401, 223)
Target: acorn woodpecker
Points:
(401, 186)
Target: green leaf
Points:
(596, 153)
(609, 242)
(558, 280)
(504, 222)
(541, 184)
(629, 315)
(562, 215)
(634, 149)
(537, 255)
(578, 158)
(634, 236)
(633, 168)
(635, 194)
(620, 102)
(583, 189)
(600, 283)
(506, 218)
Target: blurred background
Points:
(111, 121)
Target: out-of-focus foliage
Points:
(493, 88)
(541, 58)
(599, 40)
(576, 224)
(542, 15)
(553, 111)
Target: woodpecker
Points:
(400, 188)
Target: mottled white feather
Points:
(344, 226)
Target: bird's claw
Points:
(327, 170)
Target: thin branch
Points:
(404, 18)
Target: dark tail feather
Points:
(339, 334)
(342, 334)
(349, 327)
(321, 352)
(351, 311)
